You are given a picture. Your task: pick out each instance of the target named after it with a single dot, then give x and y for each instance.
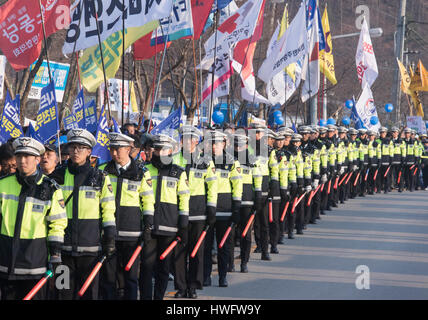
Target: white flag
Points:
(365, 58)
(291, 47)
(365, 109)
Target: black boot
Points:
(266, 256)
(244, 268)
(180, 294)
(274, 250)
(222, 282)
(191, 293)
(290, 235)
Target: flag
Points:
(101, 149)
(243, 55)
(70, 122)
(405, 78)
(115, 126)
(364, 109)
(365, 58)
(291, 47)
(78, 110)
(33, 134)
(144, 50)
(200, 13)
(326, 55)
(169, 126)
(90, 117)
(21, 35)
(10, 127)
(311, 67)
(90, 63)
(222, 73)
(47, 125)
(417, 103)
(179, 24)
(229, 34)
(419, 80)
(82, 32)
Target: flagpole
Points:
(123, 61)
(102, 63)
(213, 68)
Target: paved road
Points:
(387, 233)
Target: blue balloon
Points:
(349, 103)
(322, 123)
(277, 114)
(279, 120)
(374, 120)
(331, 121)
(389, 107)
(218, 117)
(346, 121)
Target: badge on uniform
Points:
(90, 194)
(132, 187)
(170, 184)
(37, 208)
(61, 203)
(110, 187)
(198, 174)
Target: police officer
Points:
(343, 159)
(410, 160)
(169, 221)
(317, 164)
(89, 204)
(297, 189)
(134, 198)
(332, 166)
(354, 166)
(251, 195)
(200, 171)
(326, 143)
(32, 223)
(386, 155)
(229, 198)
(372, 162)
(307, 152)
(363, 161)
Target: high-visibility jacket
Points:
(323, 156)
(410, 151)
(399, 152)
(203, 184)
(230, 186)
(251, 181)
(292, 170)
(284, 167)
(364, 153)
(30, 217)
(356, 152)
(340, 157)
(332, 154)
(134, 198)
(316, 163)
(274, 175)
(300, 167)
(91, 207)
(387, 151)
(372, 153)
(172, 194)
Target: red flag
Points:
(200, 12)
(143, 50)
(21, 32)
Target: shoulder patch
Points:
(61, 203)
(149, 182)
(238, 169)
(110, 188)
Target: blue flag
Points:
(170, 125)
(79, 110)
(116, 126)
(294, 128)
(90, 116)
(33, 134)
(70, 122)
(101, 150)
(10, 126)
(47, 124)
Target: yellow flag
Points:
(405, 78)
(419, 80)
(91, 70)
(326, 55)
(291, 68)
(133, 101)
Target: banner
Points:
(364, 109)
(2, 73)
(144, 50)
(291, 47)
(115, 95)
(70, 122)
(101, 149)
(222, 73)
(178, 24)
(416, 123)
(59, 75)
(137, 13)
(10, 126)
(47, 117)
(77, 118)
(21, 34)
(365, 58)
(91, 70)
(200, 13)
(419, 80)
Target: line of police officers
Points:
(75, 213)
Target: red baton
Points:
(322, 187)
(134, 257)
(399, 177)
(343, 179)
(335, 184)
(387, 170)
(244, 233)
(198, 244)
(226, 234)
(329, 187)
(170, 247)
(416, 169)
(39, 285)
(375, 175)
(91, 276)
(356, 179)
(297, 203)
(285, 211)
(347, 180)
(270, 211)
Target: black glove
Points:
(210, 212)
(285, 195)
(183, 235)
(108, 246)
(236, 205)
(147, 234)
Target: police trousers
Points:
(245, 243)
(18, 289)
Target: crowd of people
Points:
(208, 193)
